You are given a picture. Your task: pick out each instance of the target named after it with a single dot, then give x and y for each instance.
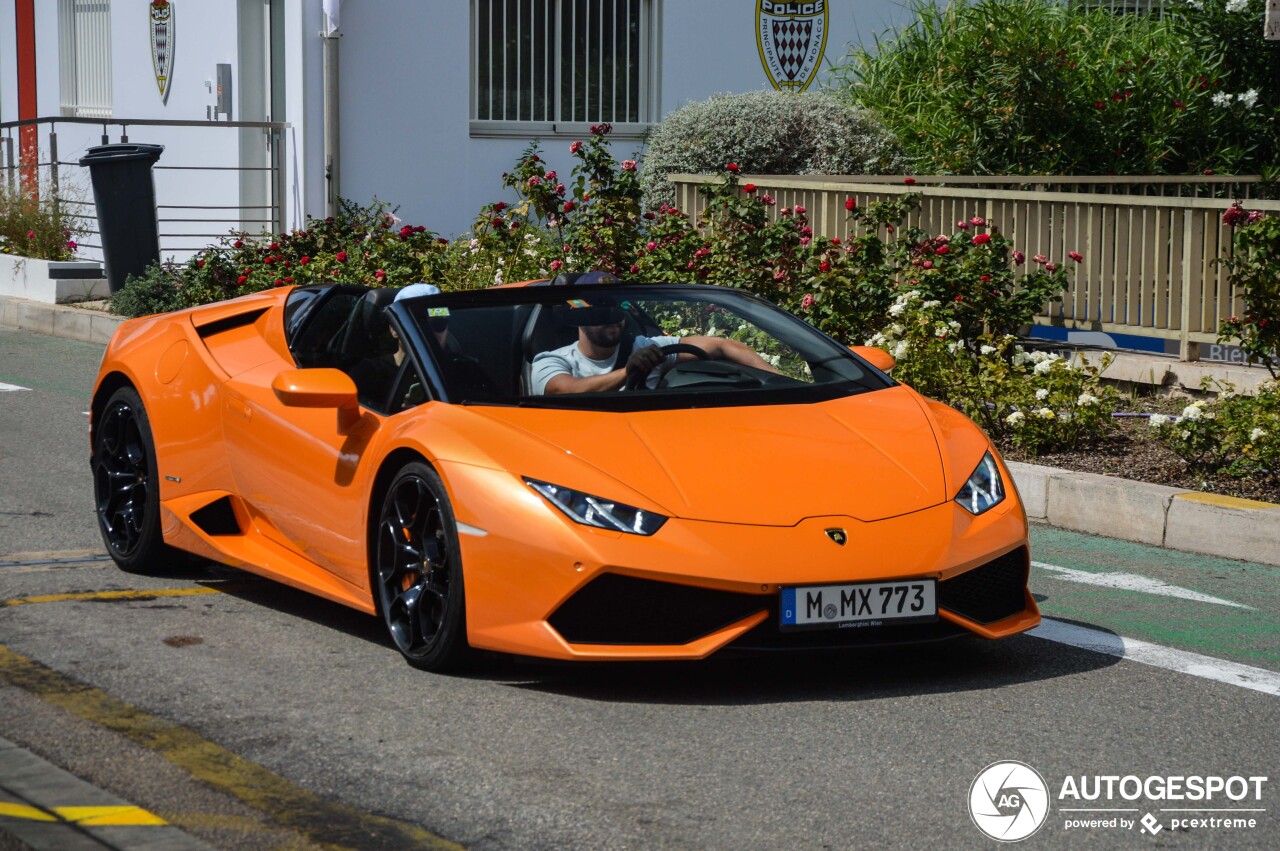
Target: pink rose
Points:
(555, 265)
(628, 165)
(1075, 255)
(808, 301)
(1019, 257)
(575, 147)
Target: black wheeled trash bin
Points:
(124, 192)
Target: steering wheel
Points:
(636, 378)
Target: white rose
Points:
(900, 350)
(1158, 420)
(1045, 414)
(1015, 418)
(1257, 434)
(1086, 399)
(988, 350)
(1192, 412)
(930, 305)
(1044, 367)
(1042, 394)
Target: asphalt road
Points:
(249, 715)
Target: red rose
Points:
(959, 298)
(984, 278)
(575, 147)
(910, 181)
(1075, 255)
(568, 206)
(240, 281)
(824, 266)
(634, 268)
(237, 244)
(380, 274)
(749, 188)
(304, 260)
(942, 249)
(279, 282)
(1019, 257)
(850, 204)
(341, 257)
(1097, 104)
(981, 238)
(199, 264)
(275, 246)
(733, 167)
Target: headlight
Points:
(984, 490)
(599, 512)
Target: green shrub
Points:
(1035, 401)
(37, 227)
(1235, 434)
(765, 133)
(1039, 87)
(157, 290)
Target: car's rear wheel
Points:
(417, 571)
(126, 486)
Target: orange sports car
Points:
(565, 470)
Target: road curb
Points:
(58, 320)
(1173, 518)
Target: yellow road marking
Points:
(325, 822)
(1225, 501)
(112, 595)
(104, 816)
(24, 812)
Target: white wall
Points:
(405, 80)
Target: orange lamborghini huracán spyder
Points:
(750, 484)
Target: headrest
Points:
(597, 310)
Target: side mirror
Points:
(315, 388)
(320, 388)
(877, 357)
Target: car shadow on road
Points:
(852, 675)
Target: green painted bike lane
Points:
(1248, 633)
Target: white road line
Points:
(5, 387)
(1182, 661)
(1134, 582)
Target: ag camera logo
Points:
(1008, 801)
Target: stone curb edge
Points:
(58, 320)
(1160, 516)
(1156, 515)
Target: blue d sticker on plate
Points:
(437, 311)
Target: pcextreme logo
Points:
(1010, 800)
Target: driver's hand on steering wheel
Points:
(645, 360)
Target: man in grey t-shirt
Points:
(590, 364)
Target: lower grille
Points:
(614, 609)
(988, 593)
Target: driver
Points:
(590, 365)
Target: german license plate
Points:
(860, 604)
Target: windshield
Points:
(570, 347)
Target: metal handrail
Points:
(11, 167)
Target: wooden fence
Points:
(1150, 261)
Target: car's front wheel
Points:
(126, 486)
(417, 571)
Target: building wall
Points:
(404, 108)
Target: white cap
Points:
(415, 290)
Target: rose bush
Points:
(1254, 266)
(37, 226)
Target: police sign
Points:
(791, 38)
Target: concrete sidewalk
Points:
(1084, 502)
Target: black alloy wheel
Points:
(417, 572)
(126, 486)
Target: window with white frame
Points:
(558, 66)
(84, 57)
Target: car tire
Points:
(126, 487)
(416, 571)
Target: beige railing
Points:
(1150, 263)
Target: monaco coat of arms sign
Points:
(792, 37)
(162, 44)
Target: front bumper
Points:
(539, 585)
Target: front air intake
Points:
(990, 592)
(614, 609)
